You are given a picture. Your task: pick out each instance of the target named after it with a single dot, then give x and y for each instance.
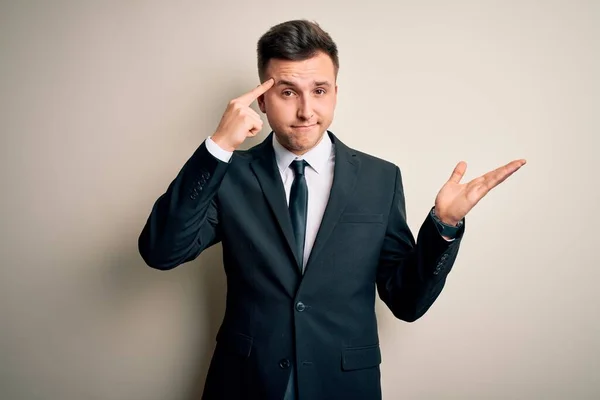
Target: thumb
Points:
(459, 172)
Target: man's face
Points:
(301, 103)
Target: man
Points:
(310, 230)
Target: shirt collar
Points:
(316, 157)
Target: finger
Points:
(459, 172)
(252, 95)
(254, 131)
(257, 127)
(253, 115)
(499, 175)
(256, 124)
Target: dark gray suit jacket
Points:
(322, 322)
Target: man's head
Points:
(303, 61)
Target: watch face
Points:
(450, 231)
(446, 230)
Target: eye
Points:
(320, 91)
(287, 93)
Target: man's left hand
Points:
(456, 199)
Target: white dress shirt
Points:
(319, 178)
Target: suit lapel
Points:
(345, 172)
(344, 179)
(267, 173)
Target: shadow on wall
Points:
(210, 292)
(176, 313)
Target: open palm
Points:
(455, 199)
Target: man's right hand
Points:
(240, 121)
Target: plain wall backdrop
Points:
(101, 103)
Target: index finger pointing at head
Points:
(249, 97)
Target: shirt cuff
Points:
(217, 151)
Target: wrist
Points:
(445, 219)
(448, 221)
(448, 229)
(222, 143)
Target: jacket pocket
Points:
(236, 343)
(361, 218)
(361, 357)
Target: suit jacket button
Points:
(285, 363)
(300, 306)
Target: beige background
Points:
(102, 103)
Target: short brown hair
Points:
(295, 40)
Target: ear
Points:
(336, 93)
(261, 103)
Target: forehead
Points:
(317, 68)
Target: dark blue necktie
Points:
(298, 212)
(299, 206)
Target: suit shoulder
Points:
(251, 153)
(245, 155)
(375, 162)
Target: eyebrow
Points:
(283, 82)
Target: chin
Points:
(307, 145)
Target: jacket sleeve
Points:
(411, 275)
(184, 220)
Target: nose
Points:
(305, 111)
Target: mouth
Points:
(304, 127)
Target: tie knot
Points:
(298, 166)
